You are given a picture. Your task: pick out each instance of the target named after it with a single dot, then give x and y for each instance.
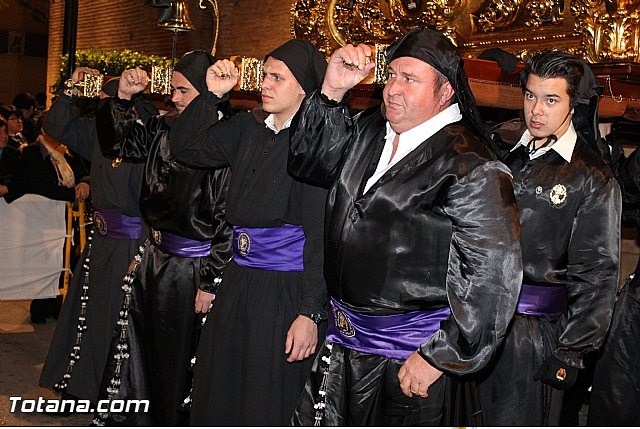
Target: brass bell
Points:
(179, 20)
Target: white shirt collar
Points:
(564, 146)
(414, 137)
(410, 140)
(270, 123)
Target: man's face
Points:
(183, 91)
(281, 92)
(409, 97)
(4, 136)
(14, 124)
(547, 106)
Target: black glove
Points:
(556, 373)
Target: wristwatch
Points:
(315, 317)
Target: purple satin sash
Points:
(182, 247)
(542, 301)
(113, 224)
(394, 336)
(274, 249)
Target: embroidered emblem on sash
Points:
(156, 236)
(244, 243)
(558, 195)
(343, 323)
(100, 223)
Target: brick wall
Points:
(20, 72)
(247, 27)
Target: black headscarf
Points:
(585, 105)
(110, 87)
(437, 50)
(306, 63)
(193, 66)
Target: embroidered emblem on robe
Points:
(100, 223)
(244, 243)
(343, 323)
(558, 195)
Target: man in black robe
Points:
(257, 347)
(190, 245)
(80, 344)
(570, 206)
(615, 393)
(422, 254)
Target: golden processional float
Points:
(605, 33)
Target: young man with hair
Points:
(422, 249)
(258, 343)
(570, 206)
(190, 244)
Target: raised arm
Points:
(322, 129)
(120, 131)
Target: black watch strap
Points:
(315, 317)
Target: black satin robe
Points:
(438, 229)
(183, 201)
(113, 189)
(241, 376)
(615, 392)
(569, 238)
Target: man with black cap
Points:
(91, 306)
(422, 254)
(570, 206)
(190, 243)
(257, 345)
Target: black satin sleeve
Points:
(592, 269)
(221, 249)
(208, 147)
(629, 178)
(484, 272)
(121, 133)
(314, 288)
(64, 124)
(319, 137)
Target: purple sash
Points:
(274, 249)
(542, 301)
(394, 336)
(182, 247)
(113, 224)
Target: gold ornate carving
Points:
(497, 14)
(251, 71)
(90, 86)
(161, 79)
(610, 29)
(604, 30)
(332, 23)
(544, 12)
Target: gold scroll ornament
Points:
(161, 79)
(251, 72)
(89, 86)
